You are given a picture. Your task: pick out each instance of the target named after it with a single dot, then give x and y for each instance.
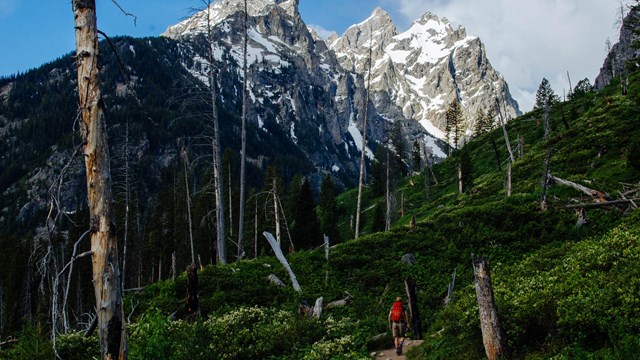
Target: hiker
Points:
(398, 323)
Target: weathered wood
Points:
(243, 149)
(412, 300)
(192, 301)
(545, 182)
(92, 327)
(276, 249)
(10, 340)
(497, 154)
(504, 131)
(598, 196)
(364, 147)
(106, 268)
(599, 204)
(273, 279)
(449, 296)
(340, 303)
(508, 179)
(317, 308)
(492, 334)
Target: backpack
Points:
(396, 311)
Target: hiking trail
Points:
(390, 354)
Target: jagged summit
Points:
(222, 9)
(417, 73)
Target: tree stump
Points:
(492, 335)
(192, 289)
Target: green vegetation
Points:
(562, 291)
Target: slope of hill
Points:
(561, 290)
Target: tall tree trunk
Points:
(545, 182)
(364, 145)
(460, 187)
(215, 145)
(387, 223)
(276, 211)
(508, 179)
(255, 230)
(412, 300)
(495, 151)
(192, 289)
(547, 125)
(186, 187)
(230, 202)
(127, 197)
(106, 273)
(504, 131)
(243, 151)
(492, 335)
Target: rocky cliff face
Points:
(418, 73)
(622, 52)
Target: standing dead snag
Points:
(192, 290)
(412, 300)
(106, 273)
(492, 335)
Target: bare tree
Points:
(215, 142)
(104, 245)
(364, 140)
(185, 161)
(245, 98)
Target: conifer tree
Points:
(453, 127)
(327, 210)
(416, 159)
(545, 95)
(305, 229)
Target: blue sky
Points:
(525, 40)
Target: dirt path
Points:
(391, 353)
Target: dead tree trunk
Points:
(276, 249)
(215, 145)
(495, 151)
(192, 290)
(364, 147)
(276, 211)
(597, 196)
(460, 187)
(243, 150)
(387, 223)
(412, 300)
(545, 183)
(106, 273)
(492, 335)
(452, 284)
(504, 131)
(508, 179)
(183, 152)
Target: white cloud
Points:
(529, 40)
(322, 32)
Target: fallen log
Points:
(10, 340)
(598, 196)
(276, 249)
(599, 204)
(340, 303)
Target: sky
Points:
(525, 40)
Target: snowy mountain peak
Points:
(418, 73)
(221, 9)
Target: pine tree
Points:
(545, 95)
(416, 159)
(453, 118)
(327, 210)
(582, 88)
(306, 228)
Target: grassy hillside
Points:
(562, 291)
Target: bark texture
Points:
(106, 273)
(492, 335)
